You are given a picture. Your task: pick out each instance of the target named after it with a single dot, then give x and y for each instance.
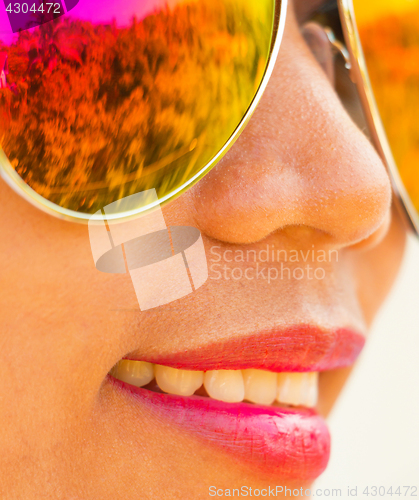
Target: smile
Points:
(231, 386)
(252, 398)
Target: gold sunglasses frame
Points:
(359, 75)
(18, 185)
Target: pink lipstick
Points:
(292, 444)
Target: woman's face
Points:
(301, 178)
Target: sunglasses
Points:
(101, 102)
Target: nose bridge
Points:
(301, 161)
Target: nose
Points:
(300, 161)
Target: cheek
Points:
(376, 269)
(53, 299)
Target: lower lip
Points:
(290, 444)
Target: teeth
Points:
(136, 373)
(225, 385)
(298, 389)
(231, 386)
(260, 386)
(312, 393)
(180, 382)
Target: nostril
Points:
(376, 237)
(361, 212)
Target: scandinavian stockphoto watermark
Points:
(271, 491)
(165, 263)
(345, 492)
(270, 263)
(168, 263)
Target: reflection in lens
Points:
(389, 31)
(108, 101)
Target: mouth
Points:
(254, 398)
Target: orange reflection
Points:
(95, 112)
(389, 31)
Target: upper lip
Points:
(297, 348)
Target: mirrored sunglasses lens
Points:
(114, 98)
(389, 32)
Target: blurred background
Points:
(375, 424)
